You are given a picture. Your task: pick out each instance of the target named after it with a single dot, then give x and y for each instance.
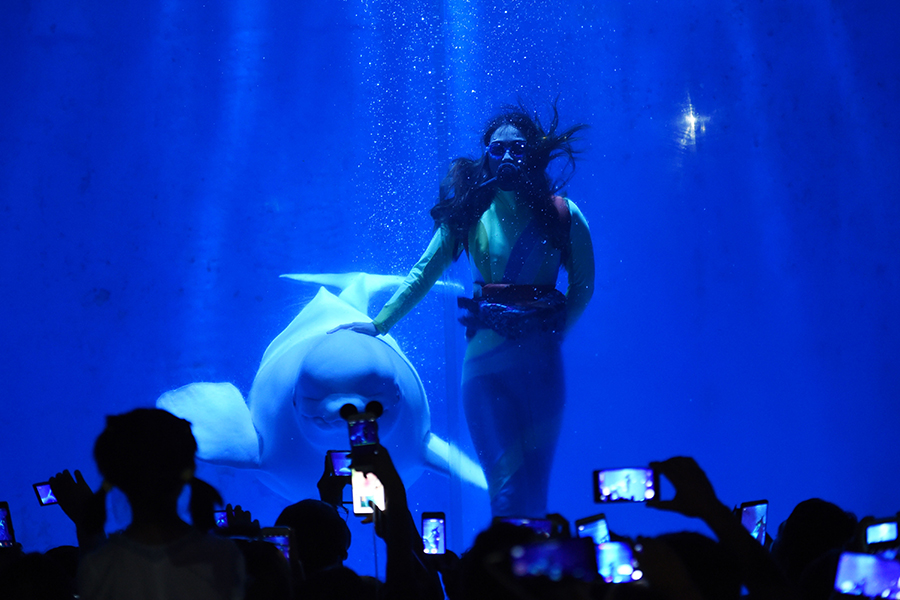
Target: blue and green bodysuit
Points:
(513, 387)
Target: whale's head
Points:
(346, 367)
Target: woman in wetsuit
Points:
(502, 211)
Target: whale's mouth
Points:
(323, 423)
(325, 413)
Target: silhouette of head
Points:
(813, 528)
(321, 537)
(146, 449)
(148, 453)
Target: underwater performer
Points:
(503, 211)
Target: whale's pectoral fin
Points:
(446, 458)
(358, 288)
(220, 421)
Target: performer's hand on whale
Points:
(367, 328)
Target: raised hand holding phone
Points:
(331, 483)
(694, 494)
(73, 495)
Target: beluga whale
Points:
(292, 413)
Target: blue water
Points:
(163, 162)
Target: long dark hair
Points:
(463, 199)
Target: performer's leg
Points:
(513, 398)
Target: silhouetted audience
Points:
(817, 580)
(268, 572)
(712, 570)
(813, 528)
(321, 537)
(149, 455)
(488, 556)
(35, 576)
(320, 542)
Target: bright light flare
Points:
(691, 125)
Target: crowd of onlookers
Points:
(149, 455)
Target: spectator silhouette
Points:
(149, 455)
(817, 580)
(321, 537)
(320, 542)
(268, 573)
(711, 569)
(813, 528)
(35, 576)
(695, 497)
(489, 557)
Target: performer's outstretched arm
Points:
(421, 278)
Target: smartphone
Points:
(881, 535)
(280, 536)
(221, 519)
(556, 559)
(7, 535)
(366, 488)
(616, 563)
(543, 527)
(867, 575)
(593, 527)
(363, 428)
(44, 493)
(434, 534)
(625, 485)
(340, 462)
(754, 516)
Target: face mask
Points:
(498, 150)
(508, 173)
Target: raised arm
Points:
(421, 278)
(408, 575)
(695, 497)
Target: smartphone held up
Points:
(881, 534)
(367, 492)
(867, 575)
(616, 563)
(340, 460)
(362, 428)
(556, 559)
(434, 532)
(633, 484)
(44, 494)
(7, 535)
(754, 516)
(594, 527)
